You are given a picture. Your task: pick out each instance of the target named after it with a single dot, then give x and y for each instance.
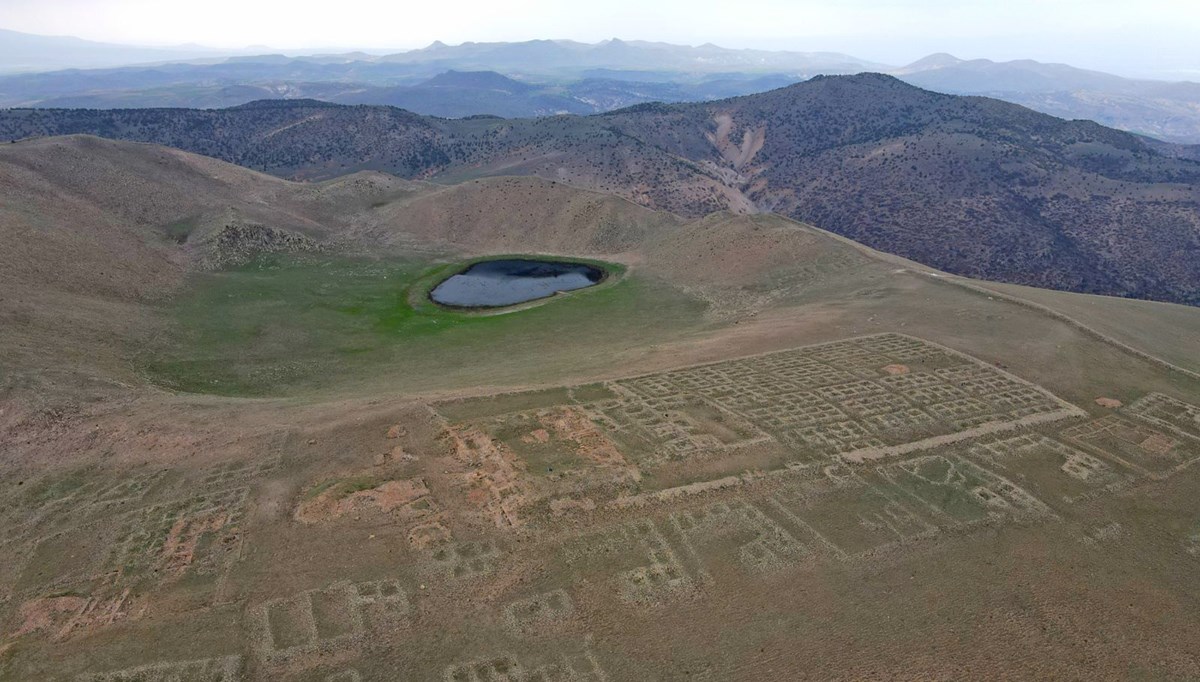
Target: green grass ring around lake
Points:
(290, 325)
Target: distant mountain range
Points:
(1168, 111)
(452, 94)
(27, 52)
(972, 185)
(570, 59)
(542, 58)
(546, 77)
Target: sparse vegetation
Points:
(974, 186)
(863, 465)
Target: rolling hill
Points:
(240, 443)
(970, 185)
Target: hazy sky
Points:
(1126, 36)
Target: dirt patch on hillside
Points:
(1111, 403)
(185, 536)
(572, 424)
(1158, 444)
(62, 616)
(537, 436)
(494, 481)
(353, 497)
(47, 614)
(738, 154)
(429, 535)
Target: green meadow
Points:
(285, 325)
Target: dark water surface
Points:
(496, 283)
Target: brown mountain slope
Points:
(94, 230)
(970, 185)
(98, 236)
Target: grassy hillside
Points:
(284, 325)
(965, 184)
(240, 444)
(1168, 331)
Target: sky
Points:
(1142, 37)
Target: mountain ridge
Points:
(630, 72)
(970, 185)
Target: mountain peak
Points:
(937, 60)
(286, 104)
(864, 78)
(477, 79)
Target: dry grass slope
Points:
(969, 185)
(763, 451)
